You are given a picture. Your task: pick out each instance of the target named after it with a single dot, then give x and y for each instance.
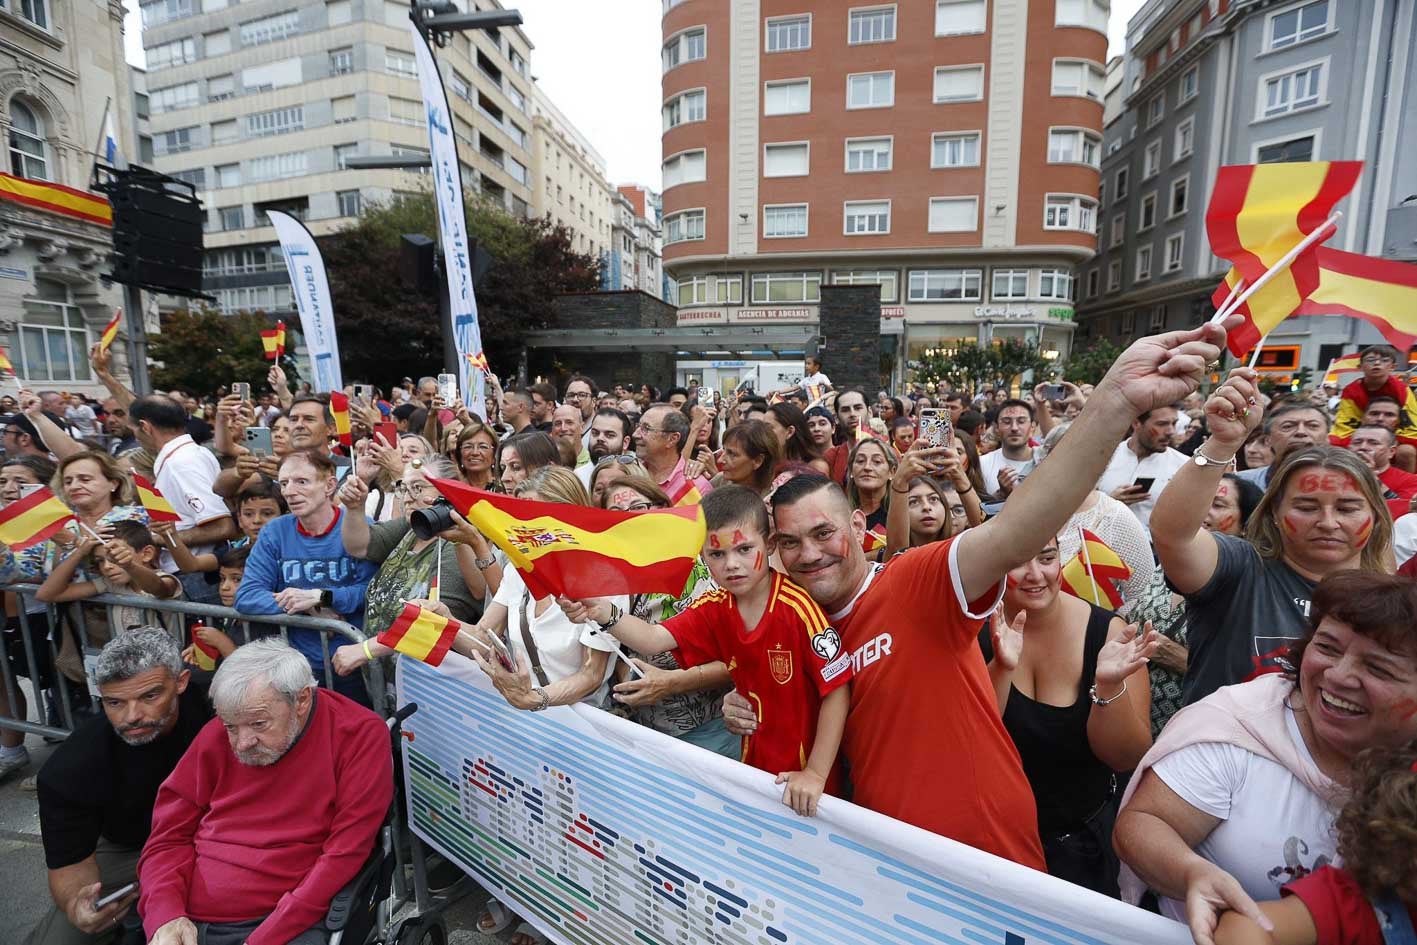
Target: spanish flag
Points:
(33, 519)
(5, 366)
(339, 407)
(204, 655)
(274, 342)
(1257, 214)
(110, 331)
(478, 361)
(687, 496)
(159, 509)
(1382, 292)
(585, 552)
(1093, 572)
(421, 634)
(873, 541)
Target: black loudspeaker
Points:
(157, 230)
(416, 253)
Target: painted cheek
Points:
(1292, 524)
(1365, 532)
(1224, 524)
(758, 562)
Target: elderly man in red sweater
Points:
(273, 809)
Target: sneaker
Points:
(30, 783)
(10, 763)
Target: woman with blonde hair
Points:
(612, 469)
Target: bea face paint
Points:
(1324, 519)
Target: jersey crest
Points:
(780, 665)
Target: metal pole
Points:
(137, 341)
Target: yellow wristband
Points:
(367, 651)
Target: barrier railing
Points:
(41, 638)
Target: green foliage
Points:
(202, 350)
(1088, 365)
(970, 367)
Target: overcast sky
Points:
(599, 62)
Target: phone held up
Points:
(258, 441)
(448, 388)
(242, 390)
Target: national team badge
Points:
(827, 644)
(780, 665)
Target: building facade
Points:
(1206, 83)
(569, 182)
(259, 105)
(635, 260)
(61, 68)
(947, 152)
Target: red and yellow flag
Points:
(56, 198)
(204, 655)
(5, 366)
(1259, 212)
(478, 361)
(1093, 573)
(1382, 292)
(159, 509)
(339, 407)
(873, 541)
(33, 519)
(274, 342)
(421, 634)
(110, 331)
(585, 552)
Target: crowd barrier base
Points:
(599, 831)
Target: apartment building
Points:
(636, 256)
(946, 151)
(569, 182)
(1205, 83)
(259, 104)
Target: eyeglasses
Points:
(417, 490)
(641, 428)
(624, 459)
(577, 396)
(476, 447)
(635, 507)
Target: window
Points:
(1189, 86)
(1074, 146)
(36, 11)
(343, 152)
(1174, 245)
(53, 339)
(688, 46)
(945, 285)
(1297, 149)
(788, 33)
(793, 97)
(1143, 264)
(1068, 212)
(688, 167)
(406, 111)
(225, 132)
(684, 108)
(1292, 91)
(710, 290)
(875, 25)
(196, 176)
(164, 10)
(181, 51)
(230, 218)
(342, 109)
(213, 44)
(272, 75)
(1155, 110)
(1185, 138)
(867, 217)
(954, 214)
(1128, 321)
(278, 121)
(1010, 284)
(959, 84)
(1118, 231)
(1092, 283)
(29, 151)
(868, 154)
(228, 175)
(348, 203)
(260, 298)
(1114, 275)
(688, 225)
(1078, 77)
(230, 262)
(1146, 212)
(277, 166)
(1057, 284)
(397, 62)
(173, 97)
(785, 160)
(173, 142)
(1298, 24)
(785, 220)
(957, 17)
(954, 150)
(887, 279)
(338, 12)
(787, 287)
(1180, 195)
(1157, 320)
(1119, 182)
(518, 172)
(221, 87)
(269, 29)
(1089, 13)
(342, 61)
(1151, 160)
(870, 90)
(515, 132)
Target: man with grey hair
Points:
(659, 439)
(272, 811)
(96, 792)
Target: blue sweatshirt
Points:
(285, 555)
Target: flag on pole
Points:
(1382, 292)
(110, 331)
(1093, 573)
(274, 341)
(478, 361)
(873, 541)
(111, 152)
(204, 655)
(585, 552)
(159, 509)
(1257, 214)
(339, 407)
(33, 519)
(6, 368)
(421, 634)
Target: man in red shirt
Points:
(924, 742)
(1376, 446)
(271, 811)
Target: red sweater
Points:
(233, 842)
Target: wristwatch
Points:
(615, 614)
(327, 598)
(482, 564)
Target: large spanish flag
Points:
(33, 519)
(421, 634)
(585, 552)
(339, 409)
(1093, 573)
(1382, 292)
(56, 198)
(110, 331)
(1257, 214)
(159, 509)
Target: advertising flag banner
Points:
(312, 298)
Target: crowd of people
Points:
(1155, 640)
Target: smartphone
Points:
(258, 441)
(243, 390)
(448, 388)
(1144, 482)
(935, 426)
(1054, 392)
(389, 432)
(365, 393)
(504, 653)
(30, 488)
(107, 898)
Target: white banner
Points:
(312, 297)
(452, 225)
(599, 831)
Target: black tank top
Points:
(1068, 781)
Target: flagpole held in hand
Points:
(1087, 563)
(1329, 228)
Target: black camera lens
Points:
(427, 523)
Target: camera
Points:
(427, 523)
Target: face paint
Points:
(758, 562)
(1365, 532)
(713, 540)
(1311, 483)
(1224, 524)
(1224, 489)
(1291, 526)
(738, 538)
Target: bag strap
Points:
(1394, 921)
(529, 642)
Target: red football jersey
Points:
(784, 666)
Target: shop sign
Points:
(776, 315)
(701, 316)
(892, 311)
(1003, 311)
(10, 272)
(1062, 314)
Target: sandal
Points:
(530, 934)
(501, 917)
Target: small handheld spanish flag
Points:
(110, 331)
(1093, 573)
(478, 360)
(421, 634)
(6, 368)
(33, 519)
(339, 407)
(274, 342)
(204, 655)
(873, 541)
(159, 509)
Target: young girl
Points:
(1372, 899)
(127, 564)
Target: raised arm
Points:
(102, 359)
(58, 442)
(354, 527)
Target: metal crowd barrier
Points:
(70, 618)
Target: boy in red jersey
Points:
(775, 639)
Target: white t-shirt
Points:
(1404, 537)
(991, 463)
(558, 641)
(816, 380)
(1125, 468)
(81, 418)
(1274, 829)
(185, 473)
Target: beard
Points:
(145, 733)
(263, 757)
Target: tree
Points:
(970, 367)
(202, 350)
(1087, 366)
